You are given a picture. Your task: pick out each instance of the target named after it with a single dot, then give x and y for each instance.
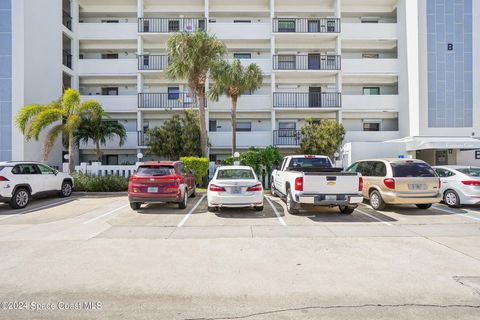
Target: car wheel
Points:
(259, 208)
(346, 209)
(66, 190)
(135, 205)
(211, 209)
(183, 203)
(292, 206)
(376, 200)
(452, 199)
(424, 206)
(20, 198)
(194, 193)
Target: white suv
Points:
(20, 181)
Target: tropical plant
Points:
(257, 158)
(99, 129)
(59, 117)
(234, 80)
(324, 138)
(191, 56)
(198, 166)
(85, 183)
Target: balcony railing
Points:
(169, 25)
(67, 20)
(172, 100)
(307, 99)
(67, 59)
(152, 62)
(287, 137)
(306, 62)
(306, 25)
(142, 139)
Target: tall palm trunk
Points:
(203, 126)
(234, 124)
(98, 151)
(71, 153)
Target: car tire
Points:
(135, 205)
(273, 191)
(292, 206)
(424, 206)
(194, 192)
(346, 209)
(259, 208)
(211, 209)
(20, 198)
(376, 201)
(183, 203)
(66, 190)
(452, 199)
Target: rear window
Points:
(310, 163)
(155, 171)
(472, 172)
(412, 169)
(235, 174)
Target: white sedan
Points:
(460, 185)
(235, 187)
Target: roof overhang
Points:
(426, 143)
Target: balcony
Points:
(287, 137)
(369, 31)
(223, 140)
(107, 67)
(170, 25)
(306, 25)
(378, 103)
(142, 139)
(122, 103)
(264, 64)
(67, 59)
(107, 31)
(371, 136)
(130, 143)
(152, 62)
(252, 102)
(177, 100)
(317, 100)
(243, 31)
(370, 66)
(67, 20)
(311, 62)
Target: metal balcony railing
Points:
(306, 25)
(172, 100)
(152, 62)
(287, 137)
(168, 25)
(307, 99)
(67, 20)
(312, 61)
(67, 59)
(142, 139)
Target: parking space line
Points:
(282, 222)
(456, 213)
(373, 217)
(37, 208)
(181, 223)
(106, 214)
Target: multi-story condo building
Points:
(404, 70)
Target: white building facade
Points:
(388, 70)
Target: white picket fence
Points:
(97, 169)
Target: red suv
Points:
(161, 181)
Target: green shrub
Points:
(198, 166)
(86, 183)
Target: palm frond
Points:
(43, 120)
(51, 138)
(25, 115)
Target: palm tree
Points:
(191, 56)
(98, 129)
(68, 110)
(234, 80)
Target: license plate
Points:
(152, 189)
(330, 198)
(417, 186)
(236, 189)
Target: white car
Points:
(460, 185)
(20, 181)
(235, 187)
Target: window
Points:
(370, 19)
(310, 163)
(146, 126)
(353, 167)
(472, 172)
(146, 61)
(286, 25)
(243, 126)
(331, 25)
(371, 126)
(235, 174)
(242, 21)
(291, 125)
(379, 169)
(146, 25)
(110, 21)
(156, 171)
(286, 62)
(242, 55)
(25, 169)
(370, 55)
(444, 173)
(173, 25)
(412, 169)
(45, 169)
(110, 91)
(371, 91)
(201, 24)
(212, 125)
(109, 55)
(173, 93)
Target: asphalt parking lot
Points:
(166, 263)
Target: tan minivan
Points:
(398, 181)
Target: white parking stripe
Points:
(181, 223)
(282, 222)
(456, 213)
(38, 208)
(105, 214)
(373, 217)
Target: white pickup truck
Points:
(313, 180)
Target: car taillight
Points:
(216, 188)
(3, 179)
(257, 187)
(389, 183)
(299, 184)
(471, 183)
(360, 184)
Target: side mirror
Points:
(275, 167)
(55, 172)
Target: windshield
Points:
(155, 171)
(310, 163)
(472, 172)
(235, 174)
(406, 170)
